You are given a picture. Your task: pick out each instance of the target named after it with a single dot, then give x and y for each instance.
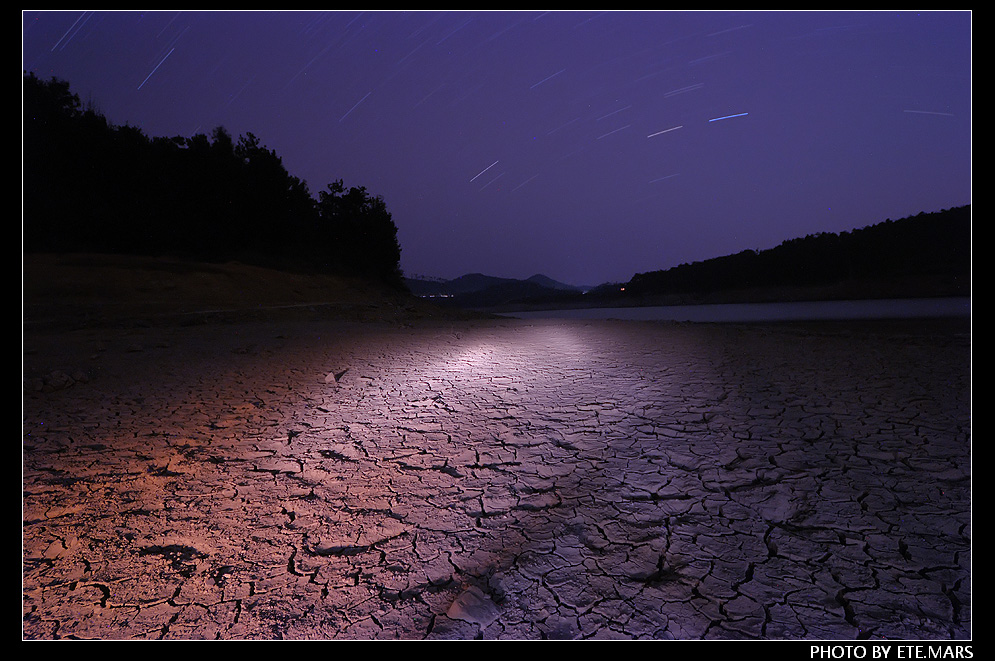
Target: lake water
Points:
(897, 308)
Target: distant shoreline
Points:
(75, 290)
(921, 288)
(836, 310)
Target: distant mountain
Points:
(474, 282)
(516, 292)
(545, 281)
(474, 288)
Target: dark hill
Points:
(474, 282)
(546, 281)
(924, 255)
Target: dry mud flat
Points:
(498, 480)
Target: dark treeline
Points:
(928, 246)
(90, 186)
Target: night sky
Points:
(584, 146)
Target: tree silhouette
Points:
(91, 186)
(361, 234)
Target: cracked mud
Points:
(497, 479)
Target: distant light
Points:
(717, 119)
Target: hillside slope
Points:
(77, 290)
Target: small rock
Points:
(335, 376)
(473, 606)
(57, 380)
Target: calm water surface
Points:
(896, 308)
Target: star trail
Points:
(779, 124)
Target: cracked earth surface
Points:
(497, 479)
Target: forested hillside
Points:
(926, 255)
(930, 248)
(90, 186)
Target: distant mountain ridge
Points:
(545, 281)
(476, 284)
(924, 255)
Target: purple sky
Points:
(585, 146)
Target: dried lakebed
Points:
(497, 479)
